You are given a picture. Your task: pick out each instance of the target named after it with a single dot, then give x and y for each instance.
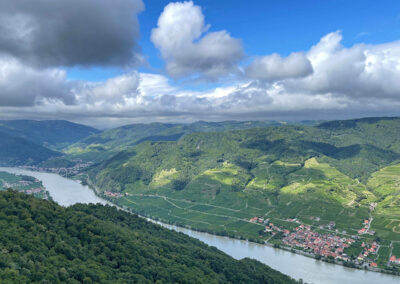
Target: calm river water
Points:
(67, 192)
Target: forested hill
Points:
(52, 133)
(108, 143)
(41, 242)
(19, 151)
(334, 172)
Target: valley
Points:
(114, 246)
(328, 190)
(332, 177)
(295, 265)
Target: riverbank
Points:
(161, 221)
(293, 264)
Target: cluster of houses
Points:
(18, 184)
(22, 184)
(112, 194)
(273, 229)
(63, 171)
(367, 250)
(394, 260)
(259, 220)
(326, 245)
(269, 227)
(320, 244)
(366, 228)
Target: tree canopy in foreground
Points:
(42, 242)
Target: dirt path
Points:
(197, 211)
(185, 201)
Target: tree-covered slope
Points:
(19, 151)
(51, 133)
(382, 132)
(217, 181)
(41, 242)
(108, 143)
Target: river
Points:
(68, 192)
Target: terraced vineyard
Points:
(339, 177)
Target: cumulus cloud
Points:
(22, 85)
(361, 80)
(361, 71)
(274, 67)
(51, 33)
(189, 49)
(111, 92)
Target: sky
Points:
(109, 63)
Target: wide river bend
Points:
(67, 192)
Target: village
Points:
(326, 245)
(62, 171)
(29, 185)
(304, 238)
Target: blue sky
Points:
(278, 26)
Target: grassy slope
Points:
(216, 181)
(41, 242)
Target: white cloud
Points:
(187, 47)
(360, 72)
(361, 80)
(112, 91)
(22, 85)
(155, 85)
(274, 67)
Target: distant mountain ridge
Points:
(50, 133)
(19, 151)
(351, 123)
(112, 141)
(30, 142)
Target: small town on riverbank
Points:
(62, 171)
(349, 250)
(363, 250)
(26, 184)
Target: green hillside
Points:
(217, 181)
(106, 144)
(41, 242)
(19, 151)
(49, 133)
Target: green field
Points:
(396, 249)
(316, 194)
(333, 176)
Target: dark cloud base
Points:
(70, 33)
